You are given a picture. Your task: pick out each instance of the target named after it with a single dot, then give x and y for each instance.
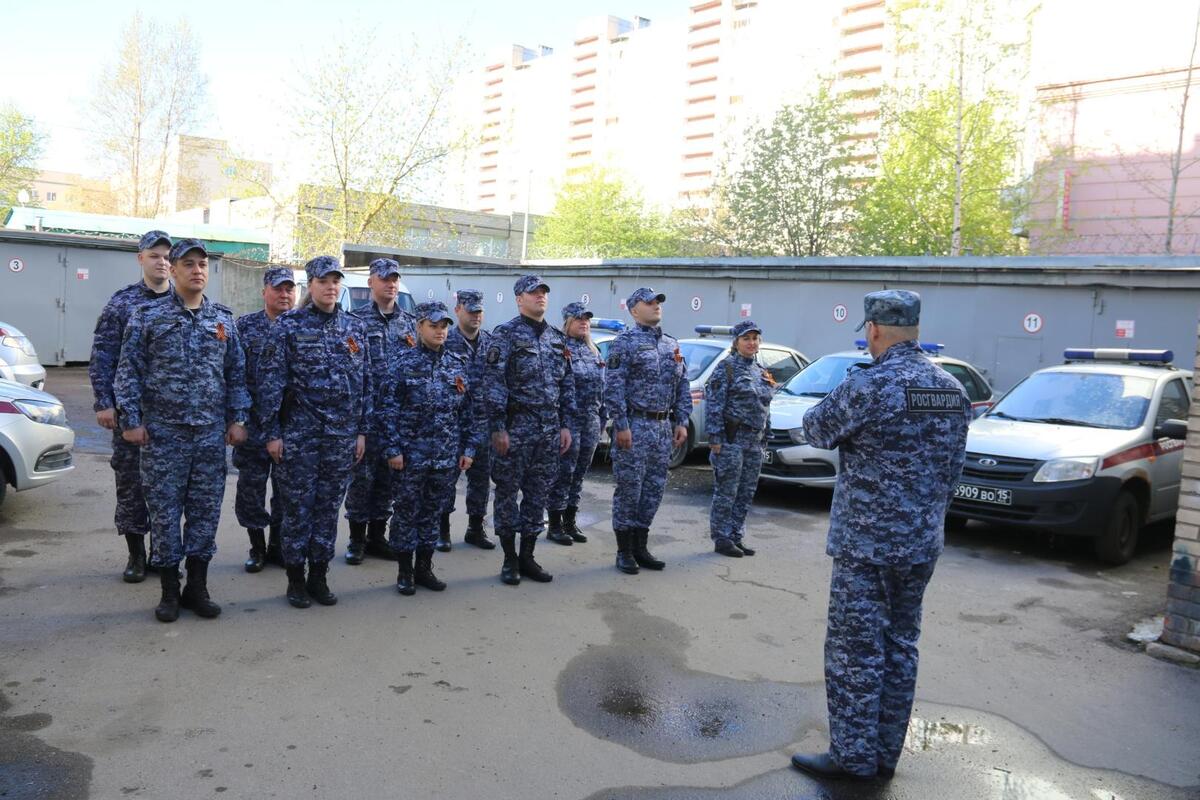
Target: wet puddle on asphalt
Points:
(638, 692)
(30, 769)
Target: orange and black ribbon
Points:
(769, 378)
(410, 340)
(459, 385)
(221, 335)
(353, 345)
(678, 356)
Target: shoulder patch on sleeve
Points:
(934, 401)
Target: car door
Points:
(1174, 403)
(978, 391)
(783, 364)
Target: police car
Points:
(1090, 448)
(791, 459)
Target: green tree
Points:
(20, 148)
(601, 217)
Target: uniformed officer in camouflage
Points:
(254, 466)
(429, 415)
(529, 400)
(470, 339)
(737, 417)
(131, 518)
(181, 396)
(316, 397)
(588, 369)
(390, 332)
(900, 423)
(648, 399)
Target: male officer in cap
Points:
(648, 399)
(900, 423)
(181, 396)
(390, 331)
(253, 464)
(131, 518)
(315, 397)
(469, 338)
(529, 399)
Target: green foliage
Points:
(20, 148)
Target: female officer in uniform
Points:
(737, 417)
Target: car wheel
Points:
(3, 487)
(678, 454)
(956, 524)
(1120, 537)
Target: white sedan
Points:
(35, 442)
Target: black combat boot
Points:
(317, 586)
(746, 551)
(377, 543)
(476, 535)
(569, 525)
(297, 595)
(194, 596)
(258, 550)
(150, 556)
(423, 573)
(443, 542)
(726, 547)
(358, 543)
(404, 578)
(274, 549)
(641, 555)
(510, 573)
(555, 532)
(625, 560)
(168, 607)
(135, 567)
(527, 566)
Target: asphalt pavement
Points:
(697, 682)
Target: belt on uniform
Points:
(637, 412)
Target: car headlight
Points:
(797, 435)
(21, 343)
(1066, 469)
(42, 411)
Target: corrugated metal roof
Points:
(111, 225)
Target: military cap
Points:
(385, 267)
(527, 283)
(433, 311)
(274, 276)
(896, 307)
(185, 246)
(746, 326)
(321, 266)
(644, 295)
(470, 299)
(575, 310)
(153, 239)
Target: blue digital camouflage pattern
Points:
(470, 299)
(588, 369)
(274, 276)
(895, 307)
(321, 266)
(153, 239)
(746, 326)
(183, 471)
(430, 415)
(527, 283)
(646, 372)
(644, 294)
(479, 475)
(576, 310)
(529, 391)
(385, 267)
(738, 401)
(184, 246)
(255, 468)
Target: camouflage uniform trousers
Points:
(370, 494)
(641, 473)
(735, 479)
(871, 660)
(418, 496)
(131, 516)
(314, 474)
(574, 464)
(529, 469)
(183, 472)
(479, 478)
(255, 468)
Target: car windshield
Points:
(1090, 399)
(698, 357)
(820, 377)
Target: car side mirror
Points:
(1171, 429)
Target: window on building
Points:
(51, 197)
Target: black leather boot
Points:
(527, 566)
(135, 567)
(168, 607)
(555, 532)
(377, 543)
(746, 551)
(258, 550)
(641, 555)
(510, 573)
(317, 586)
(625, 560)
(443, 542)
(404, 577)
(297, 594)
(274, 549)
(476, 535)
(726, 547)
(423, 572)
(569, 526)
(194, 596)
(357, 547)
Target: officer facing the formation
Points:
(131, 518)
(529, 399)
(253, 464)
(470, 340)
(181, 396)
(389, 333)
(647, 396)
(588, 369)
(900, 423)
(315, 395)
(737, 416)
(429, 416)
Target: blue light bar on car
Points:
(714, 330)
(608, 324)
(928, 347)
(1118, 354)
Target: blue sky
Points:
(54, 50)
